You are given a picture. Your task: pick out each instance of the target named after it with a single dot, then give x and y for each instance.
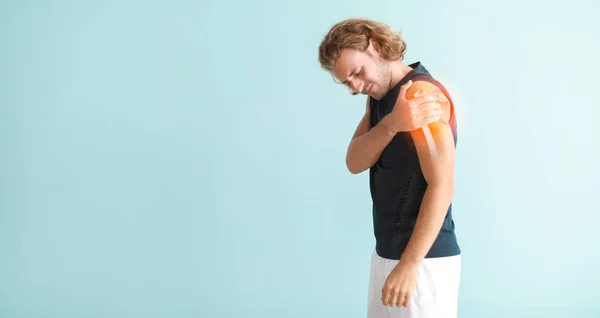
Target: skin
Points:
(422, 112)
(368, 74)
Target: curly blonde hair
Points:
(355, 33)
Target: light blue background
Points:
(186, 159)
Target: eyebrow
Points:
(353, 72)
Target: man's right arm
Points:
(367, 145)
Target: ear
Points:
(376, 47)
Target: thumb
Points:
(405, 88)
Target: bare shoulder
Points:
(424, 87)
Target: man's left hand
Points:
(400, 285)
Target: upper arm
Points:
(435, 148)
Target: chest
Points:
(400, 153)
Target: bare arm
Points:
(367, 145)
(436, 158)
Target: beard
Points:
(383, 78)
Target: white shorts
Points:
(436, 295)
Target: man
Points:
(407, 140)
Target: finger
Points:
(393, 299)
(431, 113)
(404, 89)
(430, 97)
(426, 106)
(400, 299)
(428, 120)
(425, 98)
(423, 116)
(407, 300)
(434, 93)
(431, 118)
(385, 296)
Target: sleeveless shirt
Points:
(397, 184)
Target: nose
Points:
(356, 87)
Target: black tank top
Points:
(397, 183)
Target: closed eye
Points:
(356, 72)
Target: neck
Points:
(399, 70)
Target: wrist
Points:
(387, 126)
(409, 260)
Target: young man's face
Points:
(363, 72)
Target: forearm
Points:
(364, 150)
(433, 210)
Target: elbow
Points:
(352, 167)
(355, 171)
